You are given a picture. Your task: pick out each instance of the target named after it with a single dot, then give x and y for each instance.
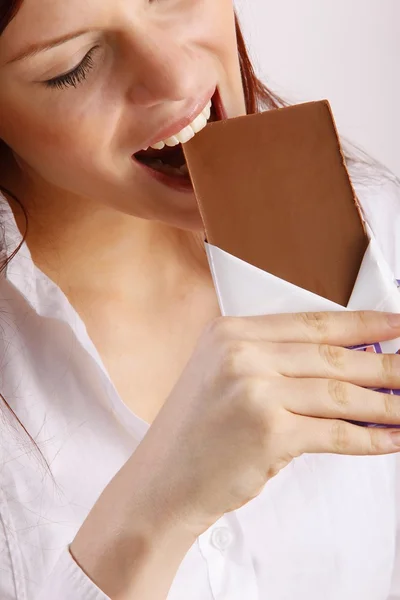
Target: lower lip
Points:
(178, 183)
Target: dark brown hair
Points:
(257, 95)
(8, 10)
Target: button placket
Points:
(230, 567)
(221, 538)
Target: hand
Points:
(258, 392)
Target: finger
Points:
(366, 369)
(343, 328)
(329, 436)
(333, 399)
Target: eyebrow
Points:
(34, 49)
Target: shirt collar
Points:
(50, 302)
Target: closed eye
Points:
(76, 76)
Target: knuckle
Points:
(274, 469)
(363, 318)
(376, 442)
(316, 322)
(250, 391)
(391, 411)
(341, 442)
(249, 408)
(389, 369)
(338, 393)
(221, 328)
(273, 422)
(236, 356)
(332, 356)
(256, 406)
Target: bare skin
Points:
(138, 331)
(128, 253)
(257, 393)
(84, 225)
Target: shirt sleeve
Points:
(395, 588)
(380, 205)
(67, 581)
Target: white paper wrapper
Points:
(244, 290)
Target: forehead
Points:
(39, 20)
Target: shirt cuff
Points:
(67, 581)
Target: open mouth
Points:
(168, 164)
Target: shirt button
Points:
(221, 538)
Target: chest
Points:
(145, 356)
(323, 528)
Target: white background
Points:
(347, 51)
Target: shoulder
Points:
(380, 204)
(379, 198)
(9, 554)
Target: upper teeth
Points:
(188, 132)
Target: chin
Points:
(185, 216)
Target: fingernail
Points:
(394, 319)
(395, 435)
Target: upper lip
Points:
(176, 126)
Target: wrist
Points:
(135, 564)
(133, 550)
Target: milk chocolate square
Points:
(274, 191)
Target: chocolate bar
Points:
(274, 191)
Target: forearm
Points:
(133, 567)
(130, 545)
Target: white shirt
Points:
(324, 527)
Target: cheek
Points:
(226, 47)
(60, 140)
(208, 25)
(222, 36)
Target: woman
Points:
(155, 420)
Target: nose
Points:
(165, 69)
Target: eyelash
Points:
(74, 77)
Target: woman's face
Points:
(149, 64)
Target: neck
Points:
(87, 247)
